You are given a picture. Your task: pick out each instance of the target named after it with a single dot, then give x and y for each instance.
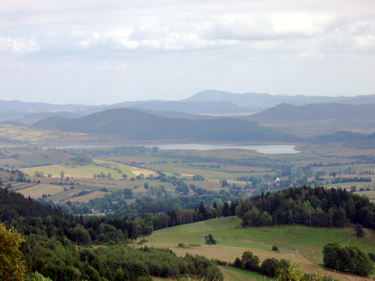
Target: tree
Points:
(62, 174)
(128, 193)
(250, 261)
(359, 230)
(212, 240)
(226, 209)
(11, 260)
(203, 215)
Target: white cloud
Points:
(18, 45)
(121, 40)
(109, 66)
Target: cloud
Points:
(65, 28)
(18, 45)
(241, 45)
(109, 66)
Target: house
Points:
(191, 193)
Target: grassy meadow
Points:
(298, 243)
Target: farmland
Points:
(298, 243)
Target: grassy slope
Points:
(308, 241)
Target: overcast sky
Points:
(109, 51)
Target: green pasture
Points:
(308, 241)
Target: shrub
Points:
(347, 258)
(371, 256)
(274, 248)
(237, 262)
(269, 267)
(212, 240)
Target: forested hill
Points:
(357, 140)
(51, 240)
(310, 206)
(136, 125)
(286, 113)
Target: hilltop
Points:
(287, 113)
(132, 124)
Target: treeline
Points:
(307, 205)
(356, 179)
(178, 216)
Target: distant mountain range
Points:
(253, 99)
(286, 113)
(209, 102)
(135, 125)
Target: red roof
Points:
(191, 192)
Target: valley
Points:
(179, 178)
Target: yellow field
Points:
(89, 171)
(38, 190)
(86, 198)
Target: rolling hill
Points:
(286, 113)
(133, 124)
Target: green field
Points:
(308, 241)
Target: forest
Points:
(319, 206)
(59, 246)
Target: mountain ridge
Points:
(136, 125)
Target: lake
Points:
(260, 148)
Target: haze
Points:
(103, 52)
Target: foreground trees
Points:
(11, 263)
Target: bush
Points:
(274, 248)
(269, 267)
(237, 262)
(348, 259)
(212, 240)
(371, 256)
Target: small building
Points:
(191, 193)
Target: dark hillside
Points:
(286, 113)
(350, 139)
(136, 125)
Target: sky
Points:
(110, 51)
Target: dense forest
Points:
(58, 245)
(310, 206)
